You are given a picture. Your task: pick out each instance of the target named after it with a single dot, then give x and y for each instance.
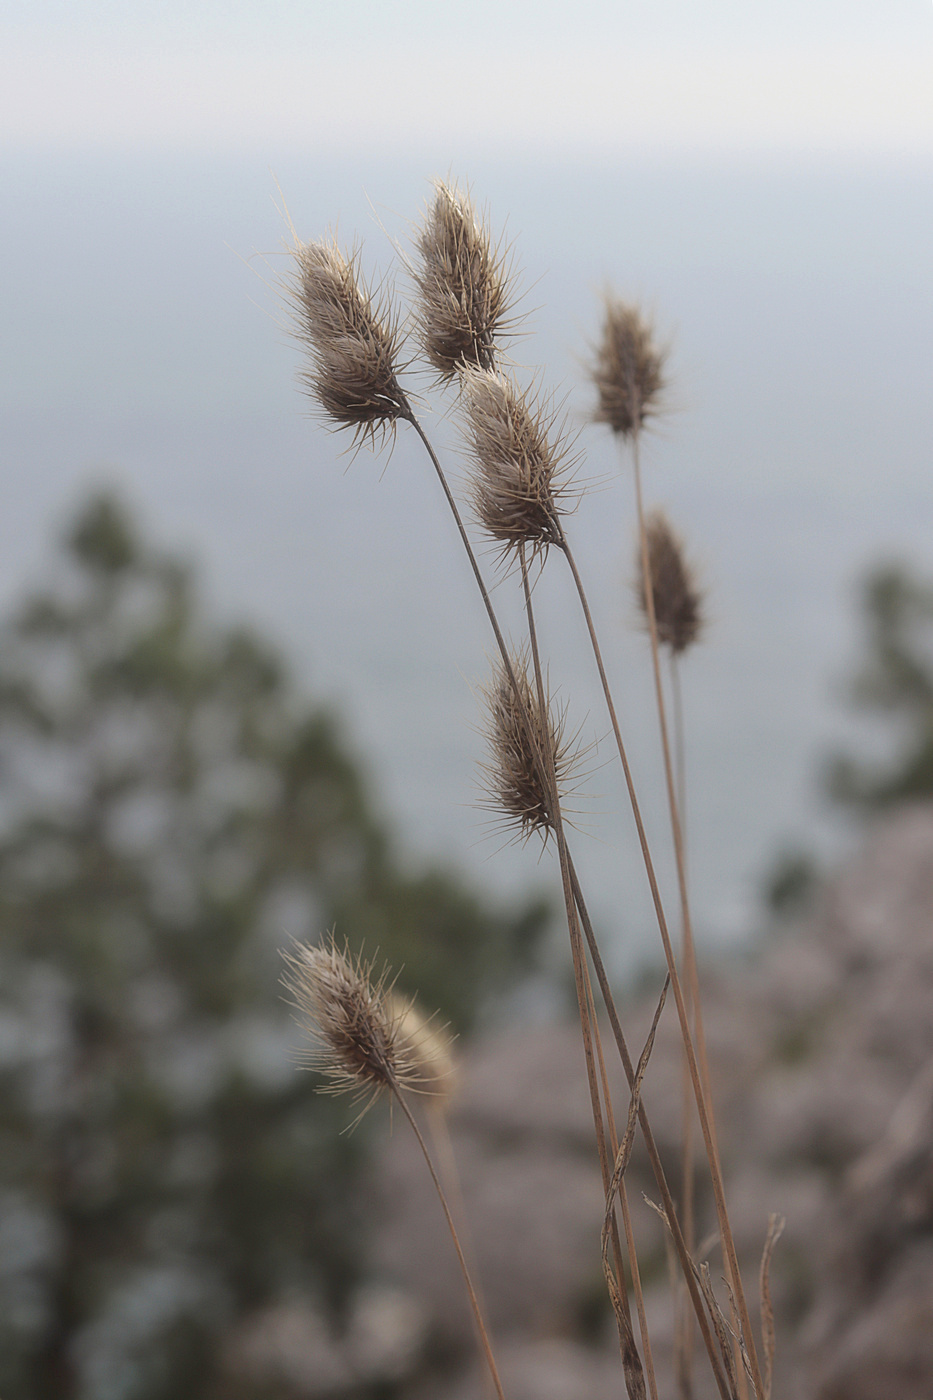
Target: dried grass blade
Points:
(724, 1334)
(721, 1327)
(776, 1225)
(626, 1338)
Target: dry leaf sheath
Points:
(353, 342)
(628, 369)
(463, 286)
(678, 602)
(520, 462)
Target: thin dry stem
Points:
(461, 1258)
(685, 1260)
(697, 1059)
(631, 1362)
(622, 1153)
(775, 1230)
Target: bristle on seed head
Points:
(353, 342)
(678, 601)
(425, 1046)
(346, 1012)
(627, 369)
(463, 286)
(520, 737)
(518, 483)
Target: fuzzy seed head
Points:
(678, 602)
(463, 289)
(628, 370)
(518, 482)
(356, 1040)
(426, 1048)
(520, 736)
(353, 343)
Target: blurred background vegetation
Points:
(172, 813)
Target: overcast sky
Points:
(324, 75)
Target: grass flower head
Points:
(628, 369)
(357, 1044)
(353, 343)
(678, 601)
(518, 484)
(463, 287)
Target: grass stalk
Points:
(696, 1055)
(624, 1207)
(546, 763)
(589, 1025)
(654, 1157)
(461, 1259)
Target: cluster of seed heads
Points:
(368, 1041)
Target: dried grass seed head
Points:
(463, 285)
(520, 736)
(354, 343)
(520, 459)
(425, 1046)
(627, 369)
(678, 601)
(345, 1010)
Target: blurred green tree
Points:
(170, 814)
(895, 680)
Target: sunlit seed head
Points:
(520, 477)
(344, 1009)
(464, 297)
(353, 343)
(425, 1047)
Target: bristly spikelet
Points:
(353, 343)
(678, 602)
(463, 287)
(520, 737)
(357, 1047)
(628, 369)
(425, 1046)
(517, 486)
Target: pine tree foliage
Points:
(170, 815)
(894, 682)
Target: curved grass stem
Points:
(680, 1002)
(471, 1291)
(699, 1053)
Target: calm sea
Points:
(143, 344)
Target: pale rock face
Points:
(822, 1057)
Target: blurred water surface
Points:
(143, 344)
